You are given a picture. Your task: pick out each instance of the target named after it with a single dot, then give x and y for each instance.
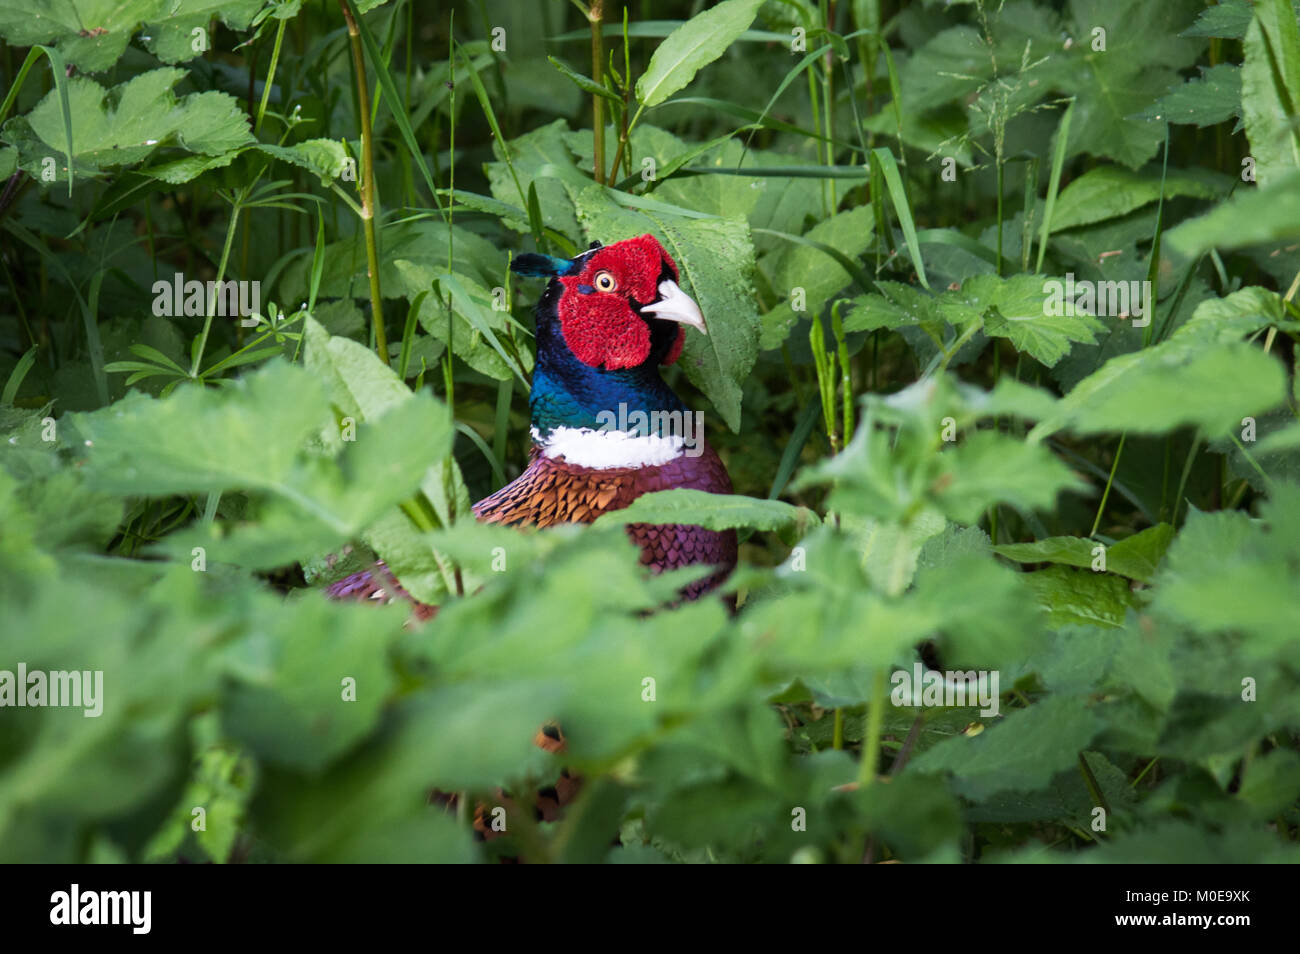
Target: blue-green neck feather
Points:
(568, 393)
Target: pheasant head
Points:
(608, 320)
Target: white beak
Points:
(675, 305)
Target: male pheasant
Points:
(605, 427)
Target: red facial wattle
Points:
(600, 327)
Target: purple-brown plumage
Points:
(552, 491)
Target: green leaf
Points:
(713, 511)
(1270, 90)
(1016, 309)
(814, 272)
(1205, 100)
(695, 44)
(1073, 596)
(289, 699)
(1135, 557)
(1111, 191)
(1227, 19)
(325, 157)
(1180, 381)
(1020, 753)
(92, 36)
(1112, 87)
(127, 123)
(1224, 573)
(1250, 217)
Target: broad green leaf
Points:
(92, 35)
(1224, 573)
(199, 440)
(1072, 596)
(307, 685)
(1017, 309)
(812, 273)
(1252, 216)
(695, 44)
(412, 253)
(1021, 752)
(1270, 90)
(1206, 100)
(713, 511)
(126, 124)
(1135, 557)
(1111, 191)
(1180, 382)
(325, 157)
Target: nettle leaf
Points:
(363, 387)
(1142, 56)
(126, 124)
(1016, 309)
(1227, 20)
(816, 275)
(695, 44)
(1205, 100)
(285, 699)
(716, 259)
(1111, 191)
(1225, 573)
(1179, 382)
(1135, 557)
(357, 382)
(1270, 90)
(714, 511)
(1073, 596)
(1020, 753)
(93, 35)
(541, 160)
(325, 157)
(412, 254)
(891, 477)
(172, 36)
(200, 440)
(1250, 217)
(897, 306)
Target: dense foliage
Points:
(939, 459)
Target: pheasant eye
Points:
(605, 282)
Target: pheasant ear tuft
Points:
(534, 265)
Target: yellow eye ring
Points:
(605, 282)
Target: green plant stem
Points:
(221, 274)
(270, 75)
(1105, 494)
(1098, 797)
(596, 17)
(367, 186)
(871, 740)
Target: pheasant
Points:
(605, 429)
(605, 426)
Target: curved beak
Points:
(675, 305)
